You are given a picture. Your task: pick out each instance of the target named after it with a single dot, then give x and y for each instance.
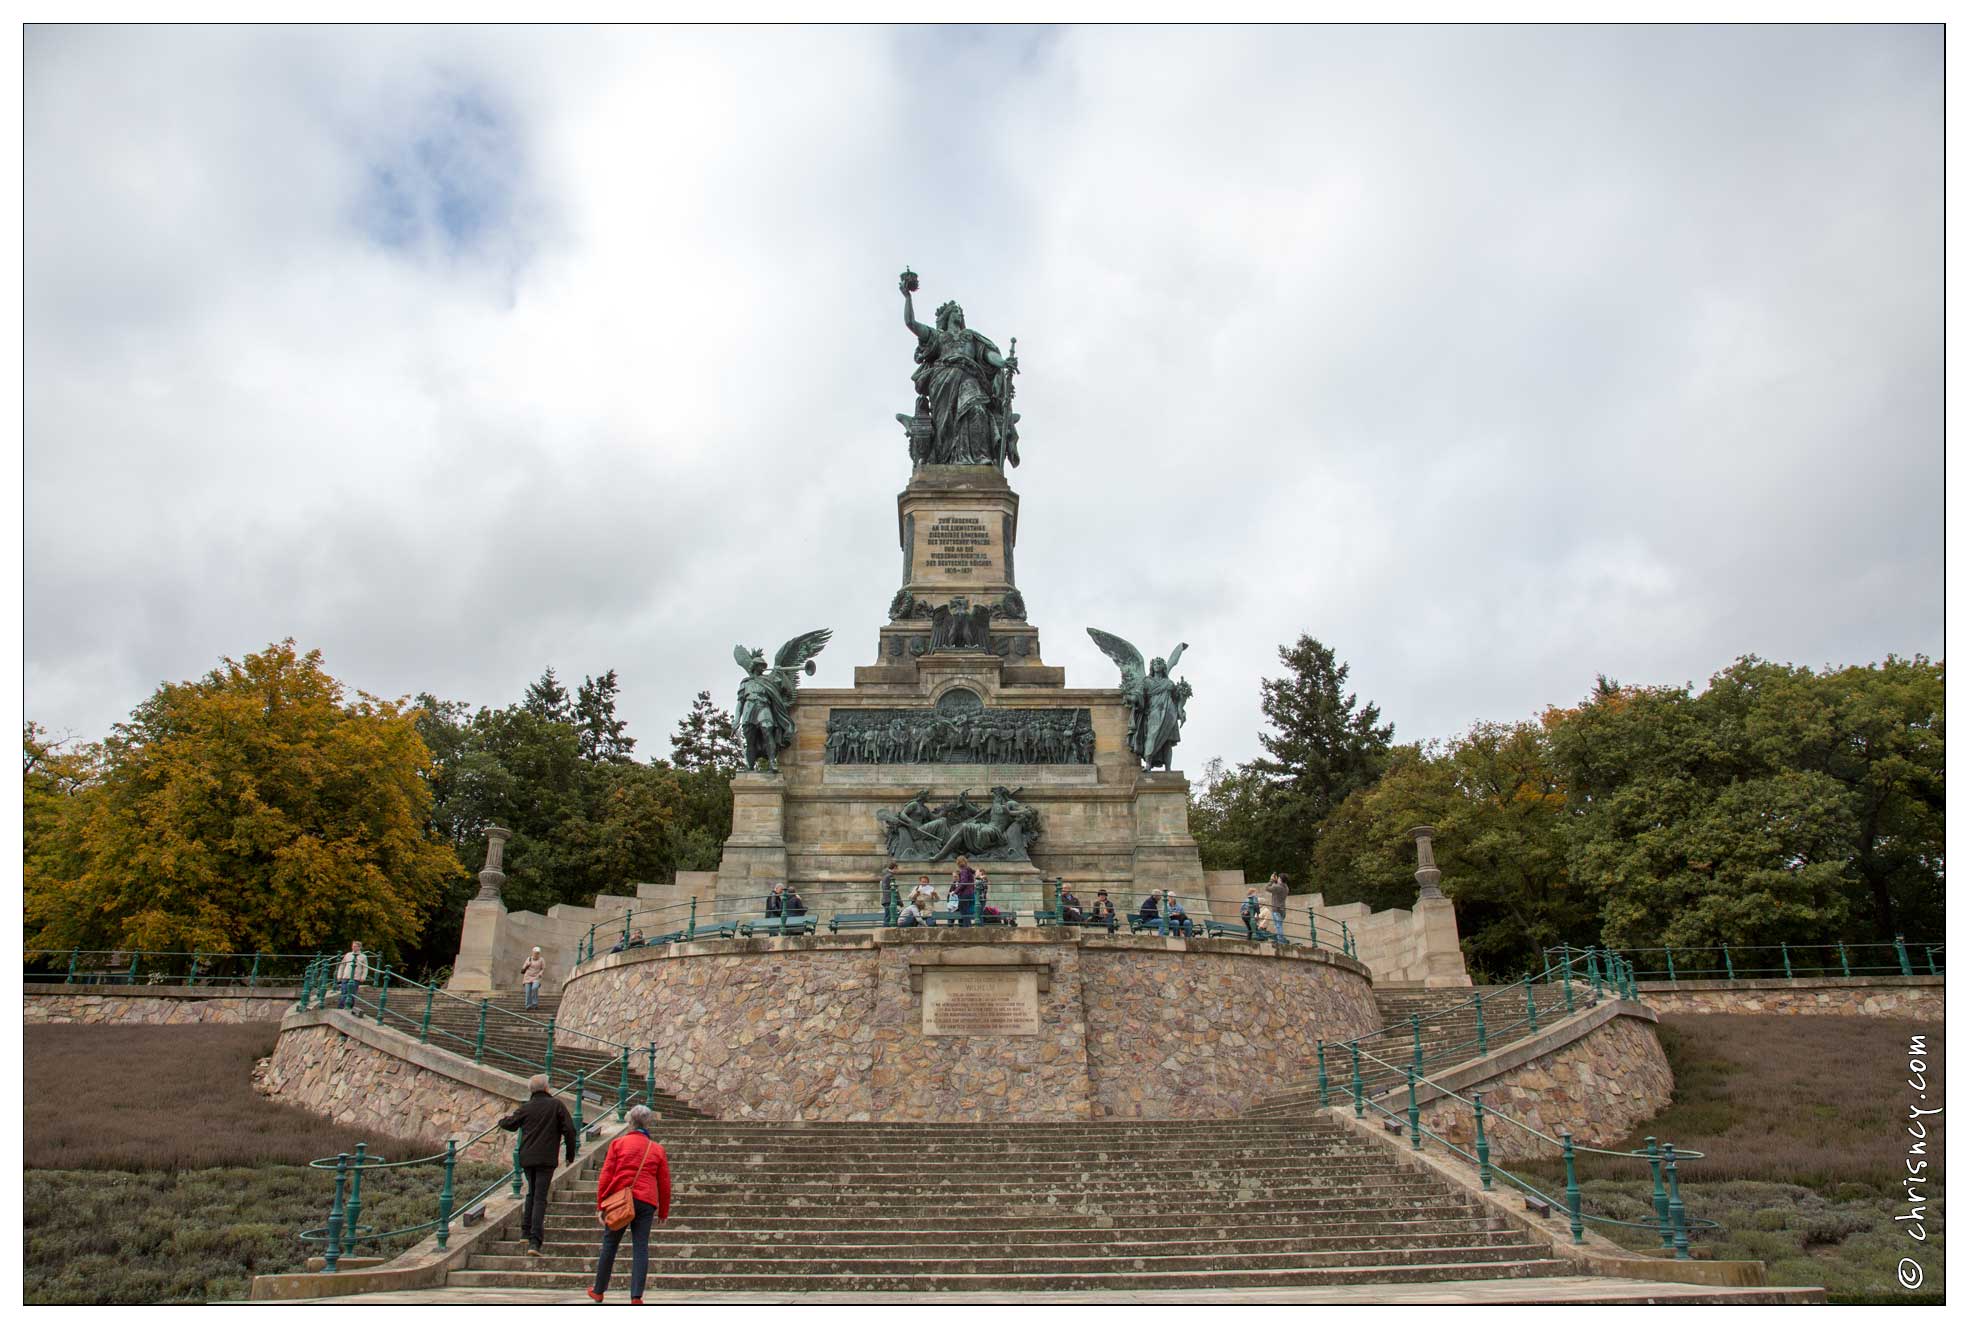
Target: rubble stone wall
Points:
(1598, 1086)
(831, 1028)
(176, 1006)
(1911, 998)
(363, 1086)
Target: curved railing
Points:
(128, 968)
(1672, 1221)
(1578, 981)
(416, 1005)
(834, 909)
(1806, 960)
(344, 1229)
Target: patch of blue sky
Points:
(449, 183)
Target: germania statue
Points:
(1157, 701)
(964, 413)
(765, 698)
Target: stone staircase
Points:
(1449, 1037)
(907, 1208)
(516, 1042)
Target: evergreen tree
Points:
(548, 700)
(706, 739)
(603, 737)
(1324, 745)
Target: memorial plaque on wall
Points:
(988, 1003)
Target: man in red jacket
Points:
(636, 1161)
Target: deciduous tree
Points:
(257, 808)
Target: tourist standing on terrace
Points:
(889, 900)
(545, 1127)
(530, 975)
(637, 1162)
(1279, 890)
(964, 883)
(352, 971)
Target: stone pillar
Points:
(1427, 875)
(1435, 951)
(490, 877)
(484, 935)
(755, 855)
(1166, 857)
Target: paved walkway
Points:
(1580, 1291)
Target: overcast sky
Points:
(1495, 358)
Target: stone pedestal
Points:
(755, 855)
(1165, 852)
(479, 946)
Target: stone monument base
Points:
(952, 1024)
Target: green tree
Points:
(256, 808)
(548, 700)
(706, 739)
(603, 737)
(1500, 818)
(1778, 804)
(1323, 746)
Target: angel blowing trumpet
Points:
(1157, 702)
(765, 698)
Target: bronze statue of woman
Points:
(968, 385)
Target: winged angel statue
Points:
(765, 698)
(1157, 700)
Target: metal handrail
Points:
(321, 984)
(128, 966)
(344, 1214)
(1793, 959)
(703, 916)
(1672, 1221)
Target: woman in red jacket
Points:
(636, 1161)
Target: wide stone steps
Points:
(872, 1217)
(572, 1243)
(1223, 1275)
(981, 1259)
(1003, 1209)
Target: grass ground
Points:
(1803, 1124)
(156, 1174)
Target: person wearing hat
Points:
(530, 975)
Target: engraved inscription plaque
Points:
(996, 1003)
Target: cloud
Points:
(1496, 358)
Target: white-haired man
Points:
(352, 971)
(544, 1123)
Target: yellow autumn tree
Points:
(255, 809)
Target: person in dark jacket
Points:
(1151, 908)
(544, 1124)
(775, 902)
(1104, 911)
(637, 1161)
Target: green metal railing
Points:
(344, 1229)
(1575, 982)
(391, 998)
(1671, 1221)
(128, 968)
(1832, 959)
(861, 907)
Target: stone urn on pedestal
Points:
(485, 922)
(1436, 954)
